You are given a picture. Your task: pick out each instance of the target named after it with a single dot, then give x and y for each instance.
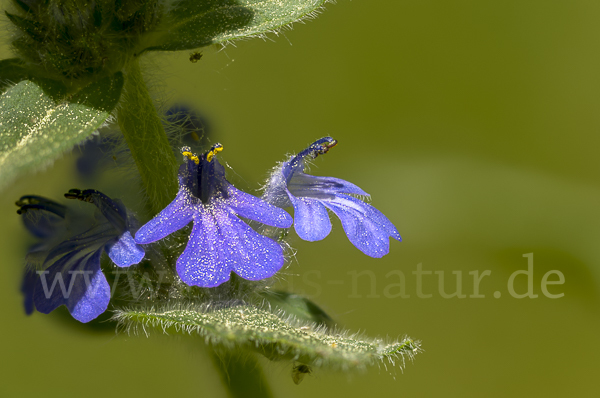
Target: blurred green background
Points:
(475, 127)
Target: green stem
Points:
(241, 375)
(147, 140)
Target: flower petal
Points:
(51, 287)
(42, 217)
(366, 227)
(311, 220)
(175, 216)
(252, 256)
(202, 263)
(36, 255)
(74, 280)
(125, 252)
(302, 184)
(256, 209)
(42, 223)
(221, 243)
(112, 209)
(87, 242)
(27, 288)
(296, 163)
(95, 298)
(371, 213)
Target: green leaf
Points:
(252, 328)
(192, 24)
(298, 306)
(35, 130)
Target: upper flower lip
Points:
(112, 209)
(306, 185)
(119, 245)
(319, 147)
(42, 217)
(205, 180)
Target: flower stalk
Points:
(146, 138)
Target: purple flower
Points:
(220, 243)
(70, 272)
(366, 227)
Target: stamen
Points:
(84, 196)
(329, 145)
(28, 202)
(191, 156)
(213, 151)
(324, 147)
(73, 194)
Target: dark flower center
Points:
(203, 175)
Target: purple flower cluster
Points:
(220, 242)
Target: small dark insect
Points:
(195, 56)
(298, 372)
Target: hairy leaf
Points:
(300, 307)
(192, 24)
(35, 130)
(271, 335)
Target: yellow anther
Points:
(213, 151)
(191, 156)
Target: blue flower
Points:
(70, 273)
(366, 227)
(220, 243)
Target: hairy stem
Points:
(147, 140)
(241, 375)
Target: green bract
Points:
(35, 129)
(191, 24)
(271, 335)
(79, 40)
